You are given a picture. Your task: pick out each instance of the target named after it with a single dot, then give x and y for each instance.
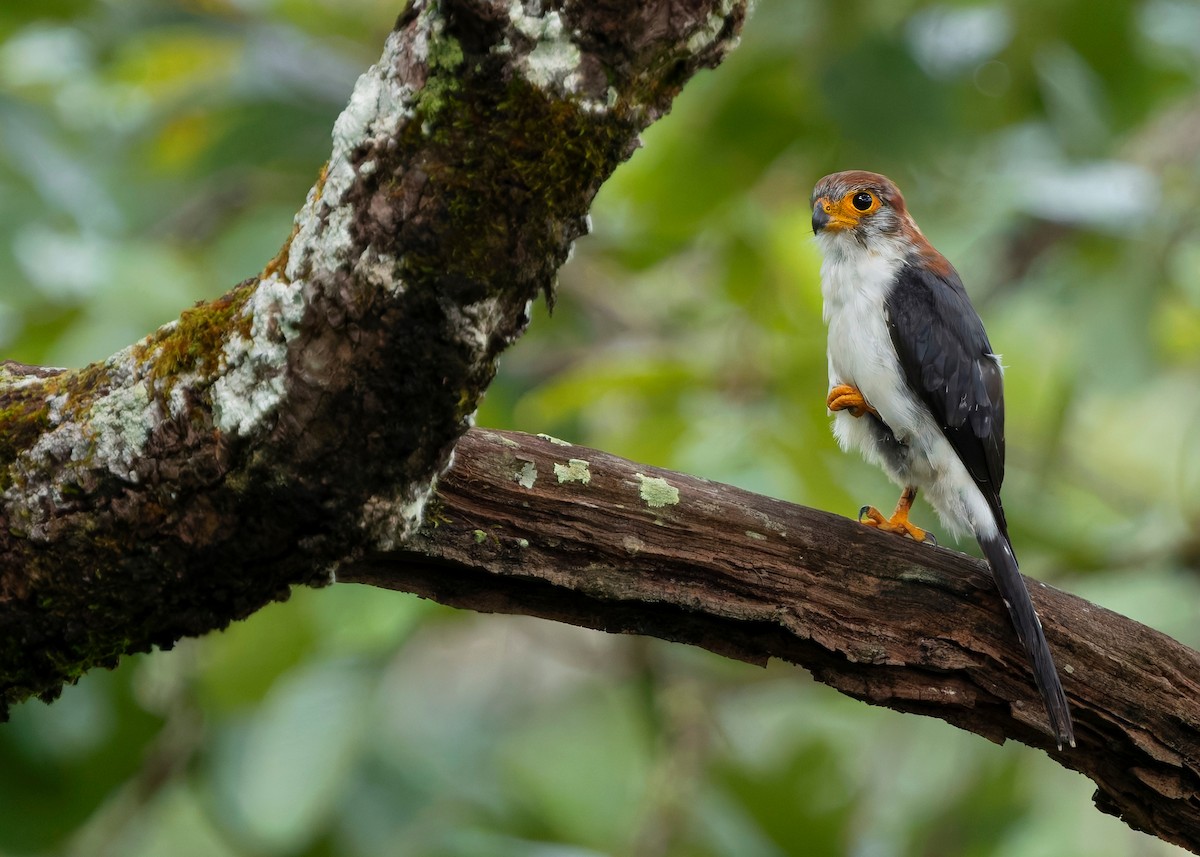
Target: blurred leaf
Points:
(239, 665)
(1074, 100)
(60, 762)
(276, 776)
(800, 803)
(166, 63)
(579, 774)
(176, 823)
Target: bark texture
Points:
(528, 525)
(296, 427)
(266, 437)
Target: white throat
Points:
(854, 274)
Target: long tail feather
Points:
(1008, 578)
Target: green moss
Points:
(100, 649)
(513, 148)
(24, 417)
(445, 56)
(25, 409)
(198, 338)
(435, 514)
(495, 143)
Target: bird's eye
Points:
(862, 200)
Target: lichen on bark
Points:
(301, 420)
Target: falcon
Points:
(916, 388)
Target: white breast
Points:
(855, 283)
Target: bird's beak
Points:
(820, 217)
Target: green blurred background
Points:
(153, 154)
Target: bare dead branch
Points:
(526, 525)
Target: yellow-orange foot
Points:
(843, 397)
(898, 523)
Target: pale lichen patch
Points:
(475, 324)
(178, 403)
(527, 475)
(54, 408)
(31, 500)
(379, 270)
(704, 37)
(575, 470)
(322, 244)
(657, 492)
(15, 380)
(501, 439)
(392, 521)
(554, 62)
(252, 383)
(120, 423)
(766, 520)
(554, 440)
(758, 537)
(380, 104)
(110, 435)
(114, 433)
(595, 106)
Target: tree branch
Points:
(301, 420)
(298, 424)
(533, 526)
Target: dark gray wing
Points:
(947, 360)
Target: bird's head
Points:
(862, 208)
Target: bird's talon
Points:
(898, 523)
(843, 397)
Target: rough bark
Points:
(300, 420)
(297, 425)
(529, 525)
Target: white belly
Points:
(861, 354)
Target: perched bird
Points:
(917, 389)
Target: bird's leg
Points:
(843, 397)
(898, 523)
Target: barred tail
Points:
(1008, 579)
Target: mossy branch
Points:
(299, 422)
